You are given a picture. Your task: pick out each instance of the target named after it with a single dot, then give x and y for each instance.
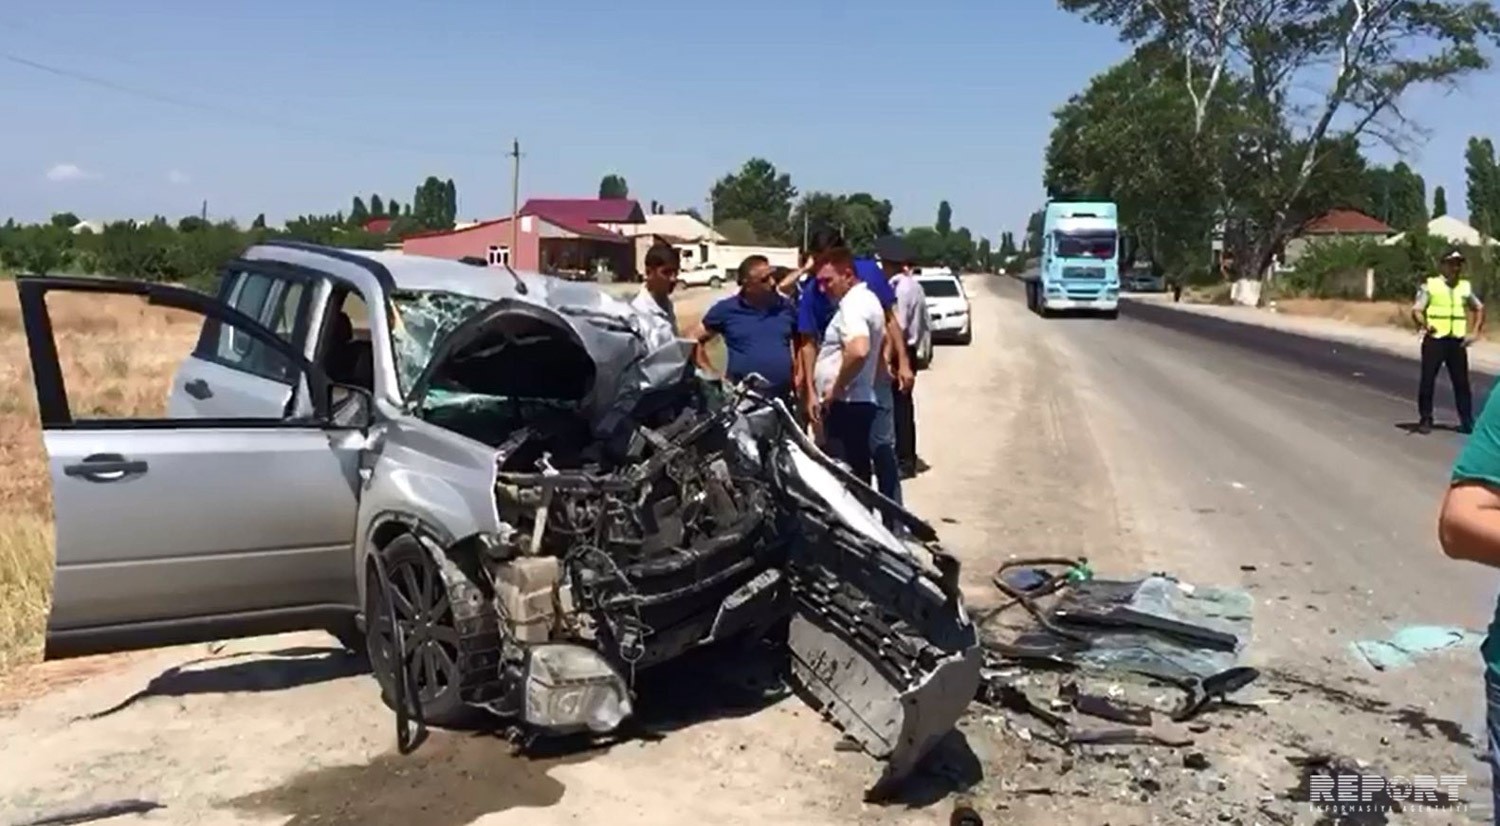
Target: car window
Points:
(120, 357)
(277, 303)
(940, 288)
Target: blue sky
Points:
(296, 106)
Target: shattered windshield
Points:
(421, 320)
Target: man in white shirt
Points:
(844, 373)
(655, 298)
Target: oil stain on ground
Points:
(451, 780)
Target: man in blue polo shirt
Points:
(757, 324)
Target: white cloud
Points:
(67, 172)
(177, 177)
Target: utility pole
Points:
(515, 197)
(204, 215)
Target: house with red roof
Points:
(379, 225)
(1335, 225)
(570, 237)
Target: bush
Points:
(1336, 269)
(189, 253)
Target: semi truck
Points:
(1080, 259)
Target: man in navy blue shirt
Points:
(757, 325)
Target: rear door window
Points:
(279, 303)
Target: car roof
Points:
(387, 271)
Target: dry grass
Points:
(118, 356)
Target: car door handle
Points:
(105, 467)
(198, 389)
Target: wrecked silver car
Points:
(512, 491)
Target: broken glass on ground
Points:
(1155, 626)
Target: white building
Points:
(1451, 230)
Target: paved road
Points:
(1367, 367)
(1287, 454)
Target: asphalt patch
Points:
(452, 780)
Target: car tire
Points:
(715, 282)
(1111, 314)
(967, 336)
(405, 560)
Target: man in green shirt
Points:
(1469, 529)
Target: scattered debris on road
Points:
(1407, 644)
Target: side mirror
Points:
(350, 406)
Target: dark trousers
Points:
(846, 436)
(1449, 351)
(906, 427)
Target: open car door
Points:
(184, 530)
(879, 637)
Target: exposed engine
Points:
(627, 538)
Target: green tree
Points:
(1483, 178)
(429, 204)
(1410, 198)
(1007, 246)
(450, 204)
(1034, 232)
(986, 257)
(1272, 55)
(377, 206)
(879, 207)
(259, 222)
(1439, 202)
(944, 223)
(737, 231)
(358, 214)
(66, 220)
(613, 186)
(191, 223)
(927, 246)
(757, 193)
(40, 249)
(959, 249)
(1128, 138)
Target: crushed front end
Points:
(660, 516)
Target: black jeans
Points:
(906, 430)
(846, 435)
(1449, 351)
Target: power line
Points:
(242, 115)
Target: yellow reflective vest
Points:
(1448, 307)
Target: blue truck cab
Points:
(1080, 259)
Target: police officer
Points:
(1450, 317)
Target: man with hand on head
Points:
(844, 371)
(814, 312)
